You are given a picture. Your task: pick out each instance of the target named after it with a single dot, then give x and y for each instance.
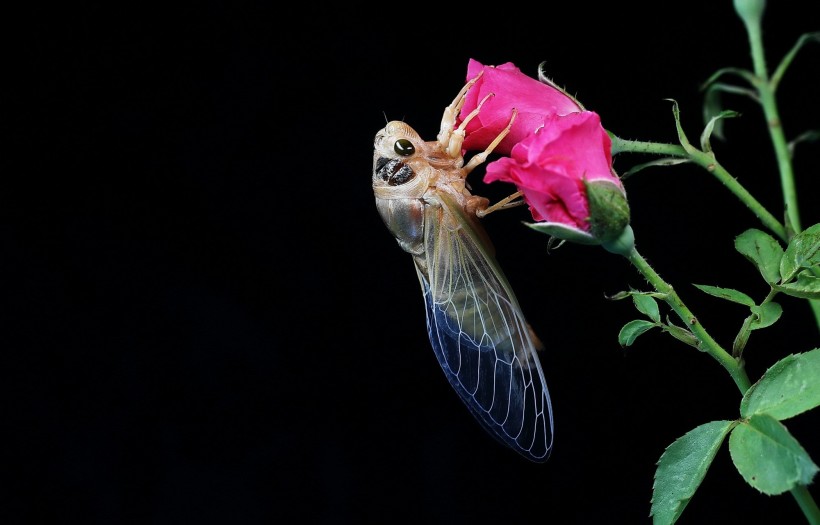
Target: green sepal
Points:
(750, 11)
(563, 232)
(624, 244)
(608, 209)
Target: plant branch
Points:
(705, 341)
(766, 89)
(708, 162)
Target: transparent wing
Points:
(480, 336)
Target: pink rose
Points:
(533, 99)
(555, 167)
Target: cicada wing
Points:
(480, 336)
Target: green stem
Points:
(708, 162)
(706, 342)
(807, 505)
(710, 346)
(766, 91)
(767, 99)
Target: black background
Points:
(207, 322)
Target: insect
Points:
(477, 330)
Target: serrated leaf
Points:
(806, 287)
(765, 315)
(648, 306)
(726, 293)
(763, 251)
(682, 467)
(632, 330)
(768, 457)
(803, 251)
(789, 387)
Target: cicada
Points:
(476, 327)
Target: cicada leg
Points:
(479, 158)
(507, 202)
(448, 120)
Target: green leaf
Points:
(789, 387)
(742, 336)
(787, 60)
(682, 467)
(713, 105)
(806, 286)
(667, 161)
(632, 330)
(705, 145)
(803, 251)
(726, 293)
(647, 305)
(768, 457)
(763, 251)
(812, 135)
(687, 146)
(681, 334)
(765, 315)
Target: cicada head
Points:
(402, 159)
(395, 152)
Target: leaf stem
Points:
(706, 342)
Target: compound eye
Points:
(404, 147)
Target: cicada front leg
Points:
(480, 205)
(448, 120)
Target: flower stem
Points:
(708, 162)
(705, 341)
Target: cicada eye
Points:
(404, 147)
